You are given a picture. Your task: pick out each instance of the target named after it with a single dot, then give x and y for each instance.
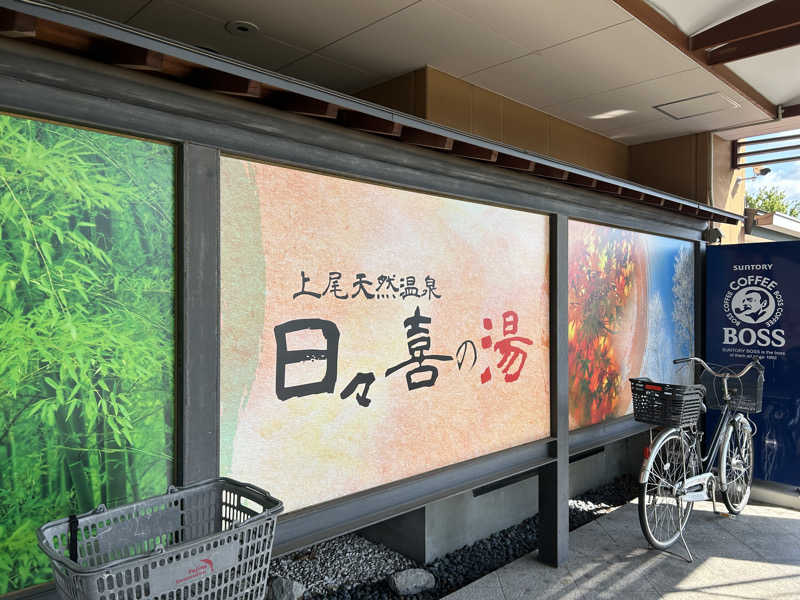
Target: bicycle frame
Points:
(684, 475)
(706, 462)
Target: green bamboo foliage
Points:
(87, 293)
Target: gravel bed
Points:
(602, 499)
(352, 568)
(342, 562)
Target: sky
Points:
(785, 176)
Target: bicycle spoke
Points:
(738, 467)
(661, 513)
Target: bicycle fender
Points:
(738, 420)
(647, 463)
(741, 421)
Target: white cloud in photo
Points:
(784, 176)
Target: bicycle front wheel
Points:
(736, 466)
(662, 513)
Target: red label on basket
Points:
(199, 571)
(657, 388)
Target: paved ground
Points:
(754, 555)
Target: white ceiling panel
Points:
(180, 23)
(532, 80)
(538, 24)
(692, 16)
(667, 127)
(633, 105)
(306, 23)
(426, 33)
(586, 61)
(605, 60)
(762, 129)
(330, 73)
(698, 105)
(120, 10)
(621, 55)
(652, 130)
(775, 74)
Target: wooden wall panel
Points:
(729, 190)
(525, 128)
(607, 156)
(669, 165)
(405, 93)
(487, 113)
(567, 141)
(448, 100)
(453, 102)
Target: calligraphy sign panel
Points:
(370, 334)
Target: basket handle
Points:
(73, 538)
(254, 488)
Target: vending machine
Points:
(752, 309)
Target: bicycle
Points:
(675, 474)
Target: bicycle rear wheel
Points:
(662, 513)
(736, 466)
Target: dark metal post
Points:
(699, 299)
(198, 314)
(554, 478)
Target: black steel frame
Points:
(41, 83)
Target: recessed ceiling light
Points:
(612, 114)
(241, 27)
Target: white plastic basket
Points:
(212, 539)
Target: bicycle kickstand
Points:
(713, 495)
(683, 539)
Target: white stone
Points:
(283, 588)
(411, 581)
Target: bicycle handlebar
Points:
(752, 364)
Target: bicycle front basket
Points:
(746, 392)
(666, 404)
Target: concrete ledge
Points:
(443, 526)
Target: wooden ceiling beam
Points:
(514, 162)
(225, 83)
(768, 150)
(791, 111)
(550, 172)
(474, 152)
(630, 194)
(303, 105)
(609, 188)
(369, 123)
(769, 42)
(16, 25)
(581, 180)
(127, 56)
(650, 17)
(418, 137)
(653, 200)
(767, 18)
